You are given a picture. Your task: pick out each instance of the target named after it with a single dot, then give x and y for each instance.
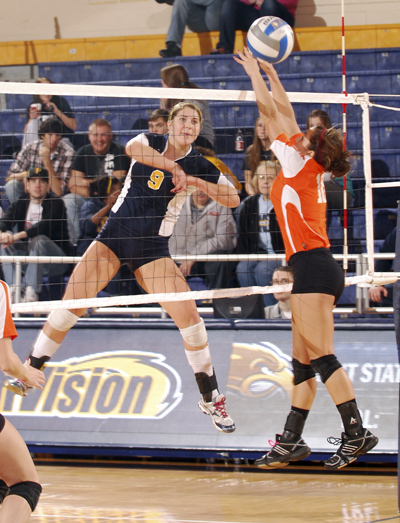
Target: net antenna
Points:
(344, 106)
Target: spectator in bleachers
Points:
(333, 186)
(101, 157)
(41, 224)
(204, 227)
(238, 15)
(259, 232)
(198, 15)
(176, 76)
(259, 151)
(48, 152)
(103, 193)
(281, 310)
(210, 155)
(383, 294)
(158, 121)
(155, 123)
(46, 106)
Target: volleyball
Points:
(270, 39)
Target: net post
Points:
(369, 221)
(344, 106)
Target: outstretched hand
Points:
(250, 64)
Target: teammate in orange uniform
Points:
(19, 483)
(299, 201)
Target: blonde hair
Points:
(275, 165)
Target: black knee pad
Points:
(3, 490)
(28, 490)
(301, 372)
(325, 366)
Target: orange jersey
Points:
(7, 327)
(299, 199)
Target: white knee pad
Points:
(196, 335)
(62, 320)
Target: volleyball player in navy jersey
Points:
(165, 169)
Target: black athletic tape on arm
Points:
(28, 490)
(325, 366)
(301, 372)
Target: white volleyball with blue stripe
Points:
(270, 39)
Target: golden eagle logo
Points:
(260, 370)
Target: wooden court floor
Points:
(81, 494)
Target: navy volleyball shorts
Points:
(132, 251)
(2, 422)
(316, 271)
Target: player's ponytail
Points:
(328, 146)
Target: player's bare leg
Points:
(163, 275)
(19, 473)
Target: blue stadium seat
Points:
(388, 135)
(18, 101)
(60, 72)
(358, 60)
(237, 115)
(370, 82)
(310, 62)
(234, 162)
(378, 114)
(387, 58)
(12, 121)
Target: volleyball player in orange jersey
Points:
(299, 201)
(19, 483)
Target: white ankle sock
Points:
(200, 360)
(44, 346)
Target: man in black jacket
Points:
(39, 219)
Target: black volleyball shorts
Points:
(316, 271)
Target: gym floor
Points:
(220, 493)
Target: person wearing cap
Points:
(49, 153)
(39, 217)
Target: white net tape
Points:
(47, 306)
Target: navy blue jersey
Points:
(146, 204)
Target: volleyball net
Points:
(233, 116)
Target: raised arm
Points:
(288, 117)
(274, 113)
